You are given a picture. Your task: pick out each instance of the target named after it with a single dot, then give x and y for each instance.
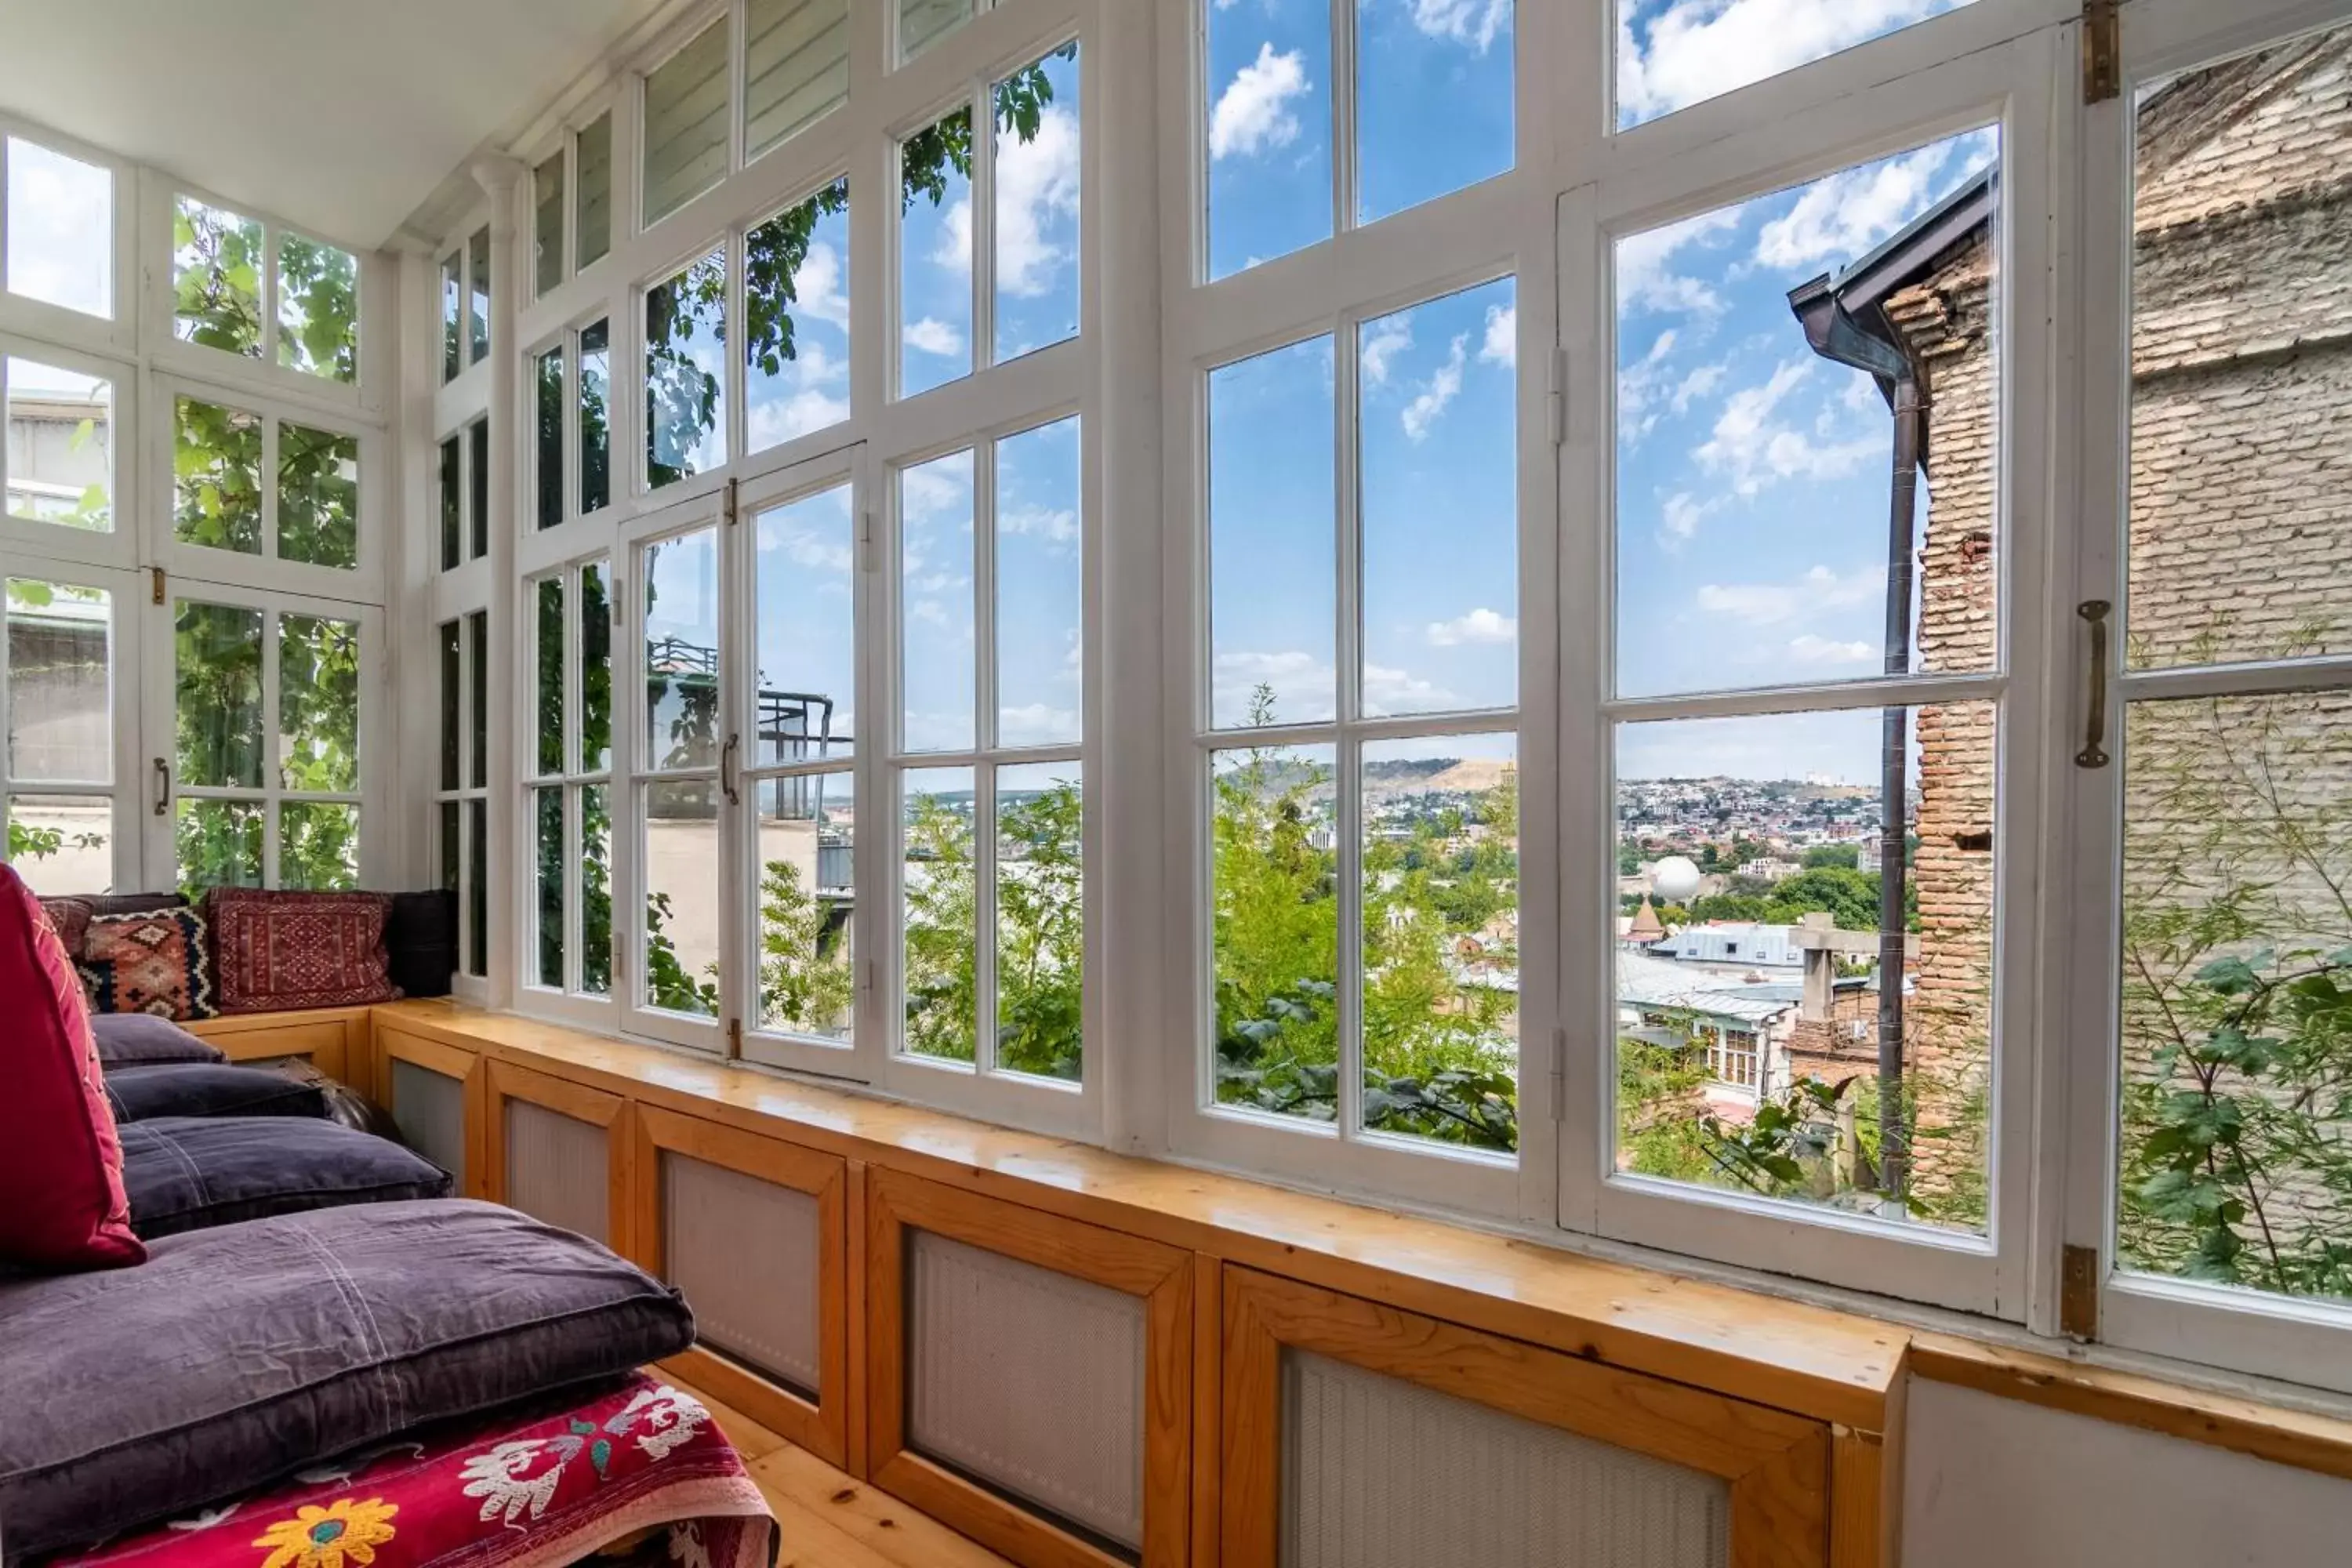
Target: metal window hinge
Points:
(2102, 51)
(1557, 399)
(873, 976)
(155, 590)
(1559, 1075)
(866, 551)
(734, 1038)
(2078, 1292)
(732, 513)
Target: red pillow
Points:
(60, 1161)
(278, 951)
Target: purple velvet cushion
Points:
(190, 1174)
(209, 1088)
(127, 1038)
(238, 1355)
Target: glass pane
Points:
(452, 702)
(1039, 921)
(1040, 592)
(548, 658)
(60, 725)
(1275, 865)
(592, 218)
(547, 223)
(808, 892)
(477, 887)
(935, 255)
(1441, 869)
(940, 914)
(595, 431)
(317, 844)
(317, 496)
(1036, 148)
(1671, 54)
(1269, 125)
(2240, 540)
(549, 861)
(478, 314)
(453, 531)
(60, 229)
(686, 373)
(1434, 100)
(216, 477)
(62, 844)
(795, 67)
(547, 480)
(1271, 504)
(805, 703)
(595, 670)
(681, 966)
(1774, 871)
(477, 487)
(685, 124)
(318, 704)
(477, 661)
(595, 892)
(922, 23)
(1439, 497)
(935, 596)
(796, 347)
(681, 632)
(1763, 349)
(60, 445)
(318, 309)
(449, 845)
(217, 697)
(216, 263)
(217, 844)
(452, 311)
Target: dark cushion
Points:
(209, 1088)
(129, 1039)
(191, 1172)
(131, 904)
(69, 918)
(422, 939)
(237, 1355)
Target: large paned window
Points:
(258, 484)
(568, 799)
(461, 780)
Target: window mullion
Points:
(1343, 115)
(1347, 653)
(272, 692)
(983, 226)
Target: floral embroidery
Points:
(672, 1418)
(496, 1478)
(323, 1537)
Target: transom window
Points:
(57, 212)
(257, 289)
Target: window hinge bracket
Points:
(734, 1040)
(732, 513)
(865, 550)
(1559, 1075)
(2103, 51)
(2078, 1293)
(1557, 399)
(155, 585)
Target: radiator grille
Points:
(557, 1168)
(1028, 1380)
(1381, 1473)
(429, 1108)
(746, 1253)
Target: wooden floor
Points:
(828, 1518)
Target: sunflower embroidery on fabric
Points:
(327, 1537)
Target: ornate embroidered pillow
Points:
(156, 961)
(278, 951)
(69, 918)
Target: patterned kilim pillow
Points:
(157, 961)
(283, 950)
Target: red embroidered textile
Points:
(158, 962)
(71, 918)
(277, 951)
(530, 1491)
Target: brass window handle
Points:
(2094, 754)
(727, 774)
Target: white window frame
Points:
(571, 1000)
(126, 788)
(119, 545)
(118, 331)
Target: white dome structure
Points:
(1675, 878)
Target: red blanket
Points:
(641, 1470)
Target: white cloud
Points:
(925, 493)
(1644, 280)
(1035, 723)
(1390, 690)
(1442, 388)
(1775, 603)
(1252, 114)
(1036, 188)
(809, 392)
(1479, 625)
(1698, 384)
(60, 229)
(1638, 386)
(951, 252)
(1502, 345)
(1472, 22)
(1391, 337)
(930, 610)
(1844, 215)
(1303, 687)
(818, 285)
(1808, 648)
(1680, 519)
(1054, 525)
(932, 336)
(806, 546)
(1697, 48)
(1757, 449)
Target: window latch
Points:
(163, 787)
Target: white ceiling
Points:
(340, 116)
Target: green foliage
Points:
(216, 279)
(942, 979)
(1041, 933)
(1835, 857)
(805, 983)
(318, 313)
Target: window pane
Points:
(1269, 125)
(549, 861)
(62, 844)
(596, 890)
(548, 480)
(1271, 547)
(1036, 132)
(318, 309)
(216, 263)
(935, 597)
(60, 728)
(1671, 54)
(595, 670)
(592, 218)
(547, 223)
(1040, 592)
(477, 457)
(1774, 874)
(216, 470)
(795, 293)
(686, 373)
(1275, 865)
(685, 124)
(1039, 921)
(935, 255)
(452, 311)
(595, 432)
(452, 507)
(807, 827)
(804, 707)
(682, 651)
(478, 660)
(217, 844)
(795, 67)
(452, 701)
(681, 966)
(317, 496)
(317, 844)
(60, 229)
(1434, 100)
(478, 315)
(549, 660)
(60, 445)
(449, 845)
(1440, 499)
(940, 914)
(318, 704)
(216, 697)
(1762, 351)
(922, 23)
(477, 887)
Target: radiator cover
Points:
(558, 1169)
(429, 1108)
(748, 1255)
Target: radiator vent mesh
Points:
(557, 1168)
(1381, 1473)
(1028, 1380)
(746, 1253)
(430, 1110)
